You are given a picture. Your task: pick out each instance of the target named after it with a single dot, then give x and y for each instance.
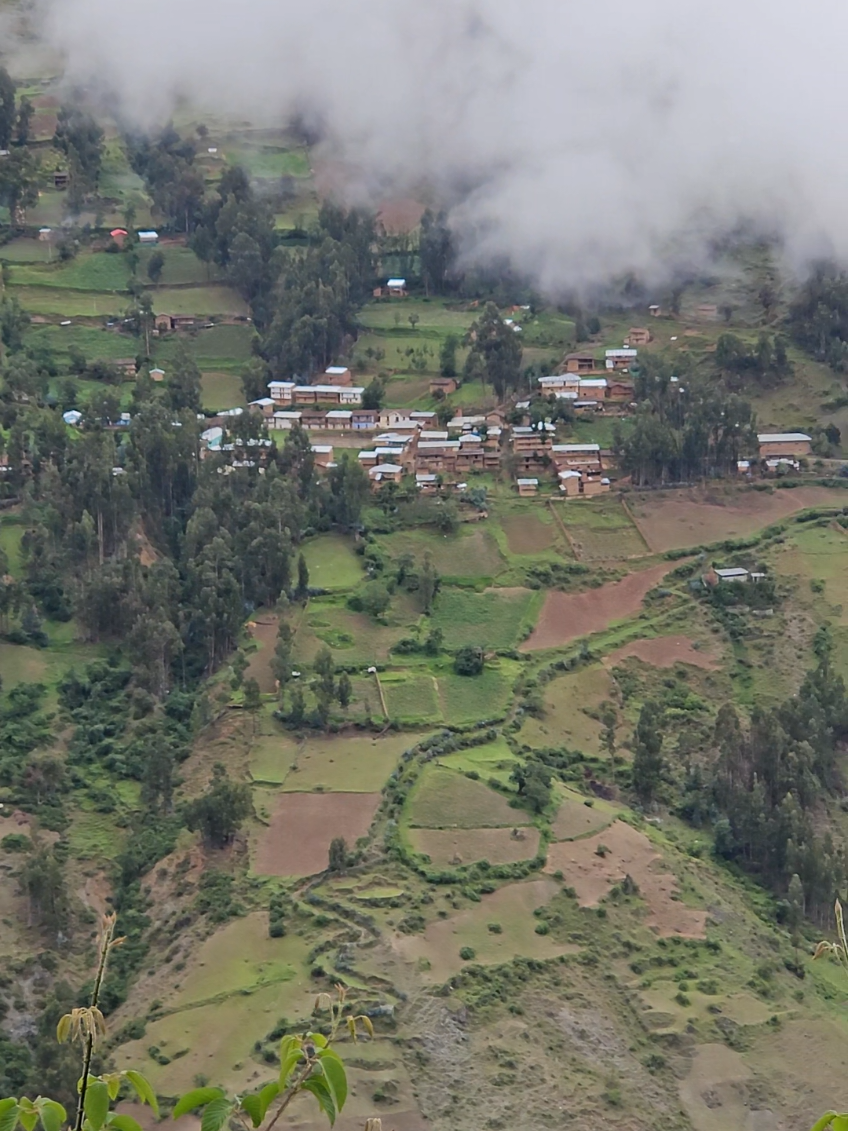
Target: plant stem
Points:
(105, 944)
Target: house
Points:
(569, 482)
(282, 392)
(339, 375)
(424, 418)
(527, 487)
(590, 387)
(44, 234)
(157, 375)
(125, 365)
(212, 438)
(338, 419)
(442, 386)
(743, 466)
(284, 421)
(367, 459)
(580, 362)
(265, 405)
(638, 336)
(61, 179)
(72, 417)
(426, 482)
(465, 423)
(577, 457)
(734, 573)
(390, 416)
(363, 420)
(148, 238)
(162, 323)
(596, 486)
(620, 359)
(313, 418)
(323, 454)
(326, 394)
(396, 288)
(618, 390)
(183, 321)
(774, 466)
(385, 473)
(655, 310)
(786, 444)
(557, 383)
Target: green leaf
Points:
(197, 1098)
(336, 1076)
(96, 1105)
(317, 1085)
(825, 1121)
(123, 1123)
(143, 1090)
(28, 1119)
(288, 1066)
(318, 1039)
(216, 1114)
(267, 1096)
(53, 1115)
(253, 1106)
(8, 1114)
(112, 1080)
(840, 1123)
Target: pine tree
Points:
(647, 757)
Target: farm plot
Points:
(87, 272)
(436, 951)
(601, 530)
(529, 531)
(666, 651)
(411, 698)
(580, 816)
(817, 556)
(297, 839)
(450, 847)
(568, 616)
(470, 553)
(345, 763)
(355, 638)
(492, 760)
(331, 562)
(444, 799)
(570, 703)
(220, 390)
(495, 619)
(476, 699)
(432, 315)
(271, 758)
(690, 518)
(625, 851)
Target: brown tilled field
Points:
(574, 819)
(629, 852)
(567, 616)
(665, 652)
(449, 847)
(678, 519)
(297, 839)
(527, 534)
(264, 631)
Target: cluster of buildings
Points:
(779, 452)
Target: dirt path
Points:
(567, 616)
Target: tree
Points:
(436, 252)
(7, 108)
(302, 577)
(23, 120)
(495, 350)
(155, 266)
(157, 786)
(44, 885)
(184, 381)
(609, 721)
(795, 916)
(647, 752)
(252, 702)
(281, 662)
(338, 854)
(372, 397)
(375, 599)
(447, 356)
(344, 691)
(468, 660)
(18, 184)
(428, 584)
(533, 781)
(220, 812)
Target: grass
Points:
(271, 758)
(208, 299)
(355, 638)
(270, 161)
(92, 836)
(345, 764)
(816, 554)
(24, 250)
(492, 760)
(67, 303)
(601, 529)
(566, 722)
(432, 314)
(11, 533)
(411, 699)
(495, 619)
(221, 390)
(472, 552)
(182, 266)
(89, 271)
(331, 562)
(444, 799)
(474, 699)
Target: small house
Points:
(655, 310)
(284, 421)
(61, 179)
(338, 375)
(569, 483)
(442, 386)
(577, 457)
(396, 288)
(265, 405)
(732, 573)
(385, 473)
(596, 486)
(148, 238)
(125, 365)
(363, 419)
(638, 336)
(620, 359)
(790, 445)
(323, 454)
(282, 392)
(72, 416)
(580, 362)
(119, 235)
(162, 323)
(426, 482)
(183, 321)
(44, 234)
(527, 487)
(157, 375)
(338, 419)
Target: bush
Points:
(16, 842)
(467, 953)
(468, 660)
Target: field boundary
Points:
(564, 529)
(639, 529)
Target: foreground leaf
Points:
(141, 1087)
(96, 1104)
(336, 1076)
(319, 1088)
(216, 1114)
(197, 1098)
(8, 1114)
(52, 1114)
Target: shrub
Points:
(468, 660)
(467, 953)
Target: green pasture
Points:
(269, 162)
(354, 638)
(411, 697)
(208, 299)
(472, 552)
(601, 529)
(817, 556)
(443, 798)
(473, 699)
(221, 390)
(67, 303)
(345, 763)
(26, 250)
(331, 562)
(432, 314)
(495, 619)
(271, 758)
(96, 343)
(492, 760)
(181, 267)
(88, 271)
(571, 704)
(94, 836)
(11, 533)
(224, 346)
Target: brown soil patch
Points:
(574, 819)
(664, 652)
(630, 852)
(714, 1092)
(695, 517)
(400, 216)
(527, 534)
(297, 840)
(449, 847)
(566, 616)
(264, 631)
(96, 893)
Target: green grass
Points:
(443, 798)
(411, 698)
(432, 315)
(208, 299)
(474, 699)
(181, 266)
(11, 533)
(346, 764)
(601, 529)
(87, 272)
(270, 161)
(221, 390)
(95, 343)
(354, 638)
(496, 619)
(470, 553)
(25, 250)
(492, 760)
(93, 836)
(67, 303)
(271, 758)
(332, 563)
